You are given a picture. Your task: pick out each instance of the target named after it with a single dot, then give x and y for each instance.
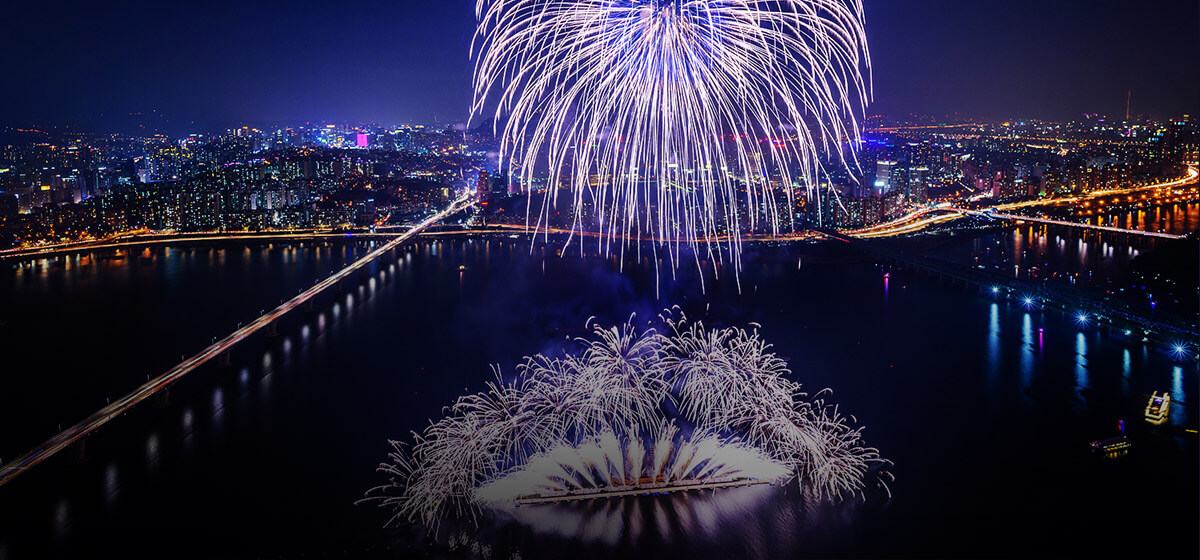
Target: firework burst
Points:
(681, 122)
(632, 410)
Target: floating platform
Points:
(638, 491)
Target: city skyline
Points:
(703, 279)
(206, 69)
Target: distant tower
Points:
(1128, 102)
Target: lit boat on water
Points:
(1113, 447)
(1156, 409)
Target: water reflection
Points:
(1025, 253)
(188, 428)
(993, 346)
(111, 484)
(1126, 371)
(770, 522)
(1081, 366)
(243, 388)
(268, 369)
(218, 408)
(152, 452)
(62, 517)
(1027, 351)
(1178, 417)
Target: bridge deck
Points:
(1016, 217)
(92, 423)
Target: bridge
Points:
(1015, 217)
(267, 321)
(1166, 330)
(923, 217)
(146, 239)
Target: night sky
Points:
(207, 65)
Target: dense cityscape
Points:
(636, 279)
(65, 187)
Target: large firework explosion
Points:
(680, 122)
(632, 410)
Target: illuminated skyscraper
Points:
(918, 186)
(483, 186)
(883, 176)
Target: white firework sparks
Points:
(633, 410)
(609, 464)
(679, 122)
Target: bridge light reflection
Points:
(111, 484)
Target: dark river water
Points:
(985, 408)
(1178, 218)
(1090, 258)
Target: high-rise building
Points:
(883, 176)
(483, 187)
(918, 184)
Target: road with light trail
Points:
(92, 423)
(919, 219)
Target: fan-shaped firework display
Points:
(635, 410)
(682, 122)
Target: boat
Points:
(1113, 447)
(1157, 407)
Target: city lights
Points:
(495, 279)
